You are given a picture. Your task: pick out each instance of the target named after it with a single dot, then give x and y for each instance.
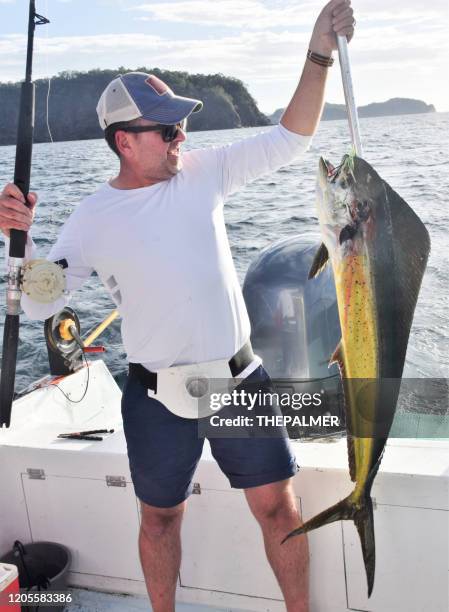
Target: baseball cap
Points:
(138, 94)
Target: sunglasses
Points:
(168, 132)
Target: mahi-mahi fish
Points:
(378, 248)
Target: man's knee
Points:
(157, 522)
(273, 502)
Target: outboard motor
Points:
(295, 326)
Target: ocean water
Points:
(409, 152)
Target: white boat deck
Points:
(96, 601)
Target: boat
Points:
(79, 492)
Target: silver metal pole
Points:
(351, 108)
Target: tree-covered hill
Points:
(74, 95)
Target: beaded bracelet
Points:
(322, 60)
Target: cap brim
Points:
(173, 110)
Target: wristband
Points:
(321, 60)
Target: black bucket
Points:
(42, 566)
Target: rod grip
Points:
(22, 169)
(8, 372)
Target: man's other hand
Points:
(336, 18)
(14, 214)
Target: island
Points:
(394, 106)
(74, 95)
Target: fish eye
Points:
(363, 210)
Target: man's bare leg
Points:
(274, 506)
(160, 553)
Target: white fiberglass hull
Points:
(79, 493)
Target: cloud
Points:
(121, 4)
(256, 14)
(243, 56)
(373, 7)
(251, 14)
(403, 50)
(247, 54)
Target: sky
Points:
(401, 48)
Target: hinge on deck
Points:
(36, 474)
(116, 481)
(196, 488)
(373, 500)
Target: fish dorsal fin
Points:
(319, 261)
(411, 247)
(399, 249)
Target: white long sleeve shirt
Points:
(163, 254)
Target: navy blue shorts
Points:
(164, 449)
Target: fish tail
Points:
(364, 522)
(361, 512)
(344, 510)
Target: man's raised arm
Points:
(304, 110)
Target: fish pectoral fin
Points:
(319, 261)
(338, 357)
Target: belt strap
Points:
(237, 364)
(145, 377)
(241, 359)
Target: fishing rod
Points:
(93, 335)
(18, 238)
(353, 118)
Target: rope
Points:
(49, 79)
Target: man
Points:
(163, 254)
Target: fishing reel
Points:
(64, 344)
(42, 280)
